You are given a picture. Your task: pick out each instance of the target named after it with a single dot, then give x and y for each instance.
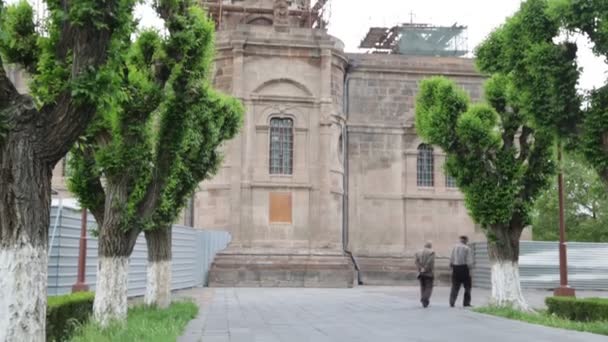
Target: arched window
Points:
(425, 166)
(281, 146)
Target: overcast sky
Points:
(350, 20)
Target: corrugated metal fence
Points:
(539, 265)
(193, 252)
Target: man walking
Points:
(425, 262)
(461, 261)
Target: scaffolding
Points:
(417, 40)
(313, 14)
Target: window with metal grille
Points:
(281, 146)
(425, 166)
(450, 182)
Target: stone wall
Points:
(390, 216)
(292, 73)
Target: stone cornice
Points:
(399, 64)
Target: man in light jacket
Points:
(461, 262)
(425, 262)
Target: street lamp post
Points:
(564, 290)
(81, 285)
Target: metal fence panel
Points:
(539, 265)
(193, 251)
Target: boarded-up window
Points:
(281, 146)
(279, 207)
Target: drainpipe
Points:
(346, 109)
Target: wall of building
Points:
(389, 214)
(291, 73)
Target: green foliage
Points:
(47, 57)
(500, 153)
(499, 180)
(594, 137)
(586, 206)
(159, 138)
(18, 37)
(554, 62)
(143, 324)
(544, 73)
(543, 318)
(65, 313)
(579, 309)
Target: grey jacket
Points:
(461, 255)
(425, 262)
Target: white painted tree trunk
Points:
(23, 281)
(158, 287)
(111, 290)
(506, 285)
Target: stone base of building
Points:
(252, 270)
(391, 271)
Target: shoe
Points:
(468, 306)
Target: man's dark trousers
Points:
(426, 289)
(461, 276)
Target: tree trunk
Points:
(503, 250)
(25, 196)
(158, 286)
(115, 247)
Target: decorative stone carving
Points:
(281, 13)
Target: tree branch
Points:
(87, 45)
(524, 144)
(63, 122)
(16, 110)
(8, 92)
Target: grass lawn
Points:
(143, 324)
(543, 318)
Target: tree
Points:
(66, 60)
(586, 206)
(146, 154)
(499, 170)
(500, 153)
(590, 18)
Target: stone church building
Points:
(327, 184)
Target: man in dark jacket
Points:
(461, 262)
(425, 262)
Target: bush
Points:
(546, 319)
(65, 313)
(578, 309)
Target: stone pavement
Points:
(362, 314)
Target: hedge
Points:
(65, 313)
(579, 309)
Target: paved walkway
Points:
(363, 314)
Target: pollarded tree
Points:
(66, 61)
(501, 153)
(143, 157)
(499, 161)
(214, 118)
